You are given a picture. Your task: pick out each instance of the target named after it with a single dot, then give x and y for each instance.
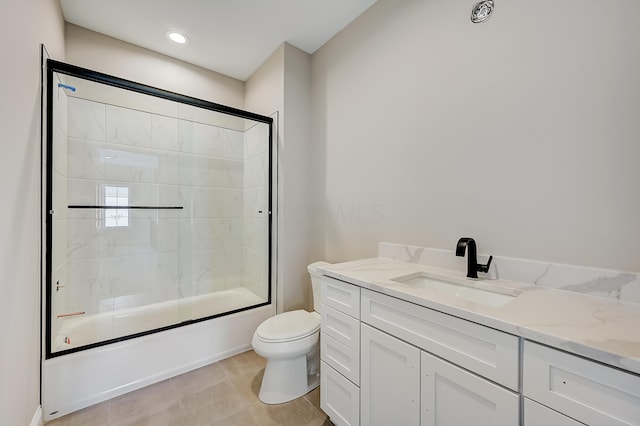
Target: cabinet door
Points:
(538, 415)
(452, 396)
(389, 381)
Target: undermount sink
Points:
(482, 292)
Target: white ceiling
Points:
(232, 37)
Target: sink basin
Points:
(482, 292)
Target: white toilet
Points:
(290, 343)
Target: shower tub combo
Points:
(158, 225)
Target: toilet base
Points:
(287, 379)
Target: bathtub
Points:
(80, 379)
(86, 329)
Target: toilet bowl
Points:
(290, 343)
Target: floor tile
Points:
(146, 402)
(221, 394)
(248, 385)
(243, 363)
(298, 412)
(199, 379)
(314, 399)
(241, 418)
(96, 415)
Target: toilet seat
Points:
(289, 326)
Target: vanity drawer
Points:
(341, 327)
(483, 350)
(339, 398)
(344, 359)
(341, 296)
(584, 390)
(538, 415)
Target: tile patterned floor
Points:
(221, 394)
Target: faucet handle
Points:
(485, 268)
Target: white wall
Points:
(295, 218)
(98, 52)
(521, 132)
(26, 24)
(282, 84)
(255, 259)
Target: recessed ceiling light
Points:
(177, 37)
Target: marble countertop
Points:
(601, 329)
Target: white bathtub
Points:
(78, 380)
(86, 329)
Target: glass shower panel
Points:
(161, 213)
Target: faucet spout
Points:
(472, 255)
(473, 267)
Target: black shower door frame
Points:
(98, 77)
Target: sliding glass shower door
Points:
(158, 209)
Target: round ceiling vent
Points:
(481, 11)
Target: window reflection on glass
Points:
(116, 196)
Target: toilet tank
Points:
(314, 271)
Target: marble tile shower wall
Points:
(162, 161)
(256, 181)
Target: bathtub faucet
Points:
(473, 267)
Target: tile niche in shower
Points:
(158, 211)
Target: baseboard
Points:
(37, 417)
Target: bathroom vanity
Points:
(409, 344)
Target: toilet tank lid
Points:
(289, 326)
(314, 267)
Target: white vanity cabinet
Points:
(387, 361)
(340, 352)
(584, 390)
(405, 383)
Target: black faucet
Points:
(473, 267)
